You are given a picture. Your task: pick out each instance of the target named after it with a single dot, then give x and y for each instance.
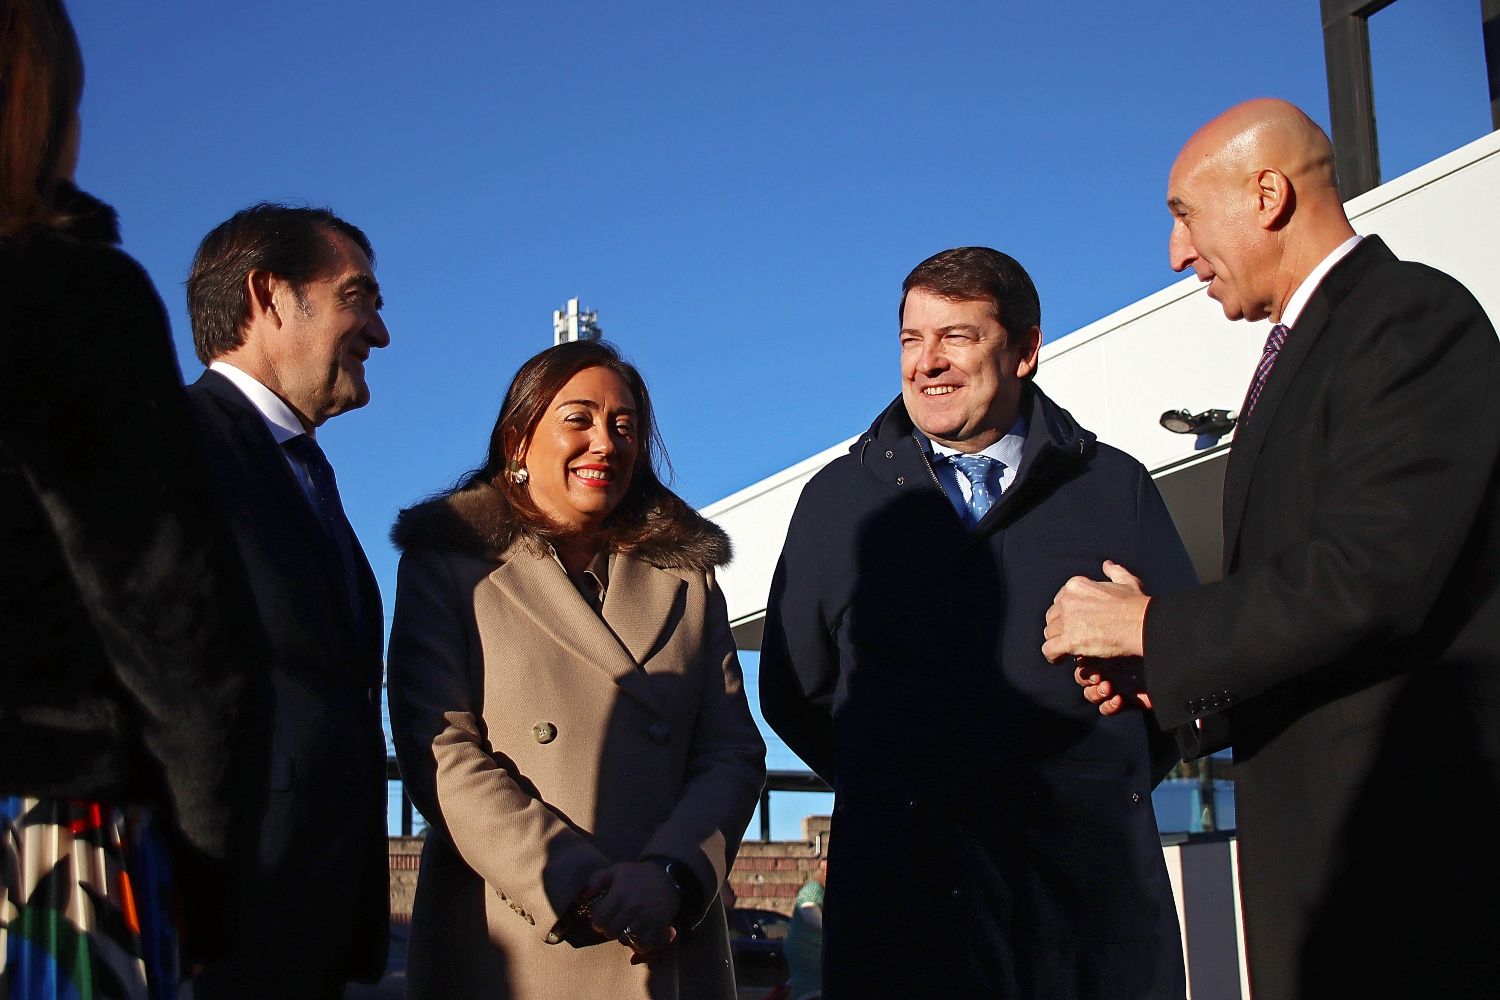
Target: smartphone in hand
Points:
(573, 926)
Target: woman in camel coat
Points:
(567, 708)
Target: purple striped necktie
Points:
(1274, 341)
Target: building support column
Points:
(1351, 92)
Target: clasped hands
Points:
(637, 908)
(1100, 623)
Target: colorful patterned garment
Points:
(86, 905)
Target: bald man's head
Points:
(1255, 206)
(1265, 132)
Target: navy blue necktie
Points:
(976, 469)
(330, 511)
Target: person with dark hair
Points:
(567, 708)
(290, 242)
(127, 644)
(972, 786)
(1355, 634)
(286, 310)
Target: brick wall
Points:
(405, 855)
(766, 875)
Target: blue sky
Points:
(738, 189)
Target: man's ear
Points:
(1028, 345)
(261, 288)
(1274, 198)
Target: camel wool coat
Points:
(542, 743)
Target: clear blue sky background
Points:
(739, 189)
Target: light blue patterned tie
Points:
(976, 469)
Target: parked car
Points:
(756, 939)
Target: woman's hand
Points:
(639, 907)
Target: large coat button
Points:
(659, 732)
(545, 732)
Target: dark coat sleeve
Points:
(799, 668)
(1163, 566)
(95, 420)
(1412, 439)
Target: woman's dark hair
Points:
(41, 83)
(538, 382)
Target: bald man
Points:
(1351, 652)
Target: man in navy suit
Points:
(1351, 652)
(285, 311)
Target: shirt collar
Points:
(1298, 301)
(597, 569)
(1007, 450)
(279, 418)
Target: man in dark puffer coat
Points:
(974, 788)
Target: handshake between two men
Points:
(1100, 624)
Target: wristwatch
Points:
(686, 884)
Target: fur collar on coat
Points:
(477, 521)
(86, 217)
(76, 215)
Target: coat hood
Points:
(477, 521)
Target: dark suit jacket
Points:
(1353, 645)
(992, 833)
(316, 909)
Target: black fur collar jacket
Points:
(128, 642)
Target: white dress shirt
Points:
(1298, 301)
(1007, 452)
(280, 421)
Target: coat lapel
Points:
(1314, 320)
(639, 604)
(537, 585)
(1249, 439)
(253, 440)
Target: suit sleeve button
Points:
(545, 732)
(1135, 798)
(659, 733)
(900, 480)
(890, 454)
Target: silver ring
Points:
(629, 937)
